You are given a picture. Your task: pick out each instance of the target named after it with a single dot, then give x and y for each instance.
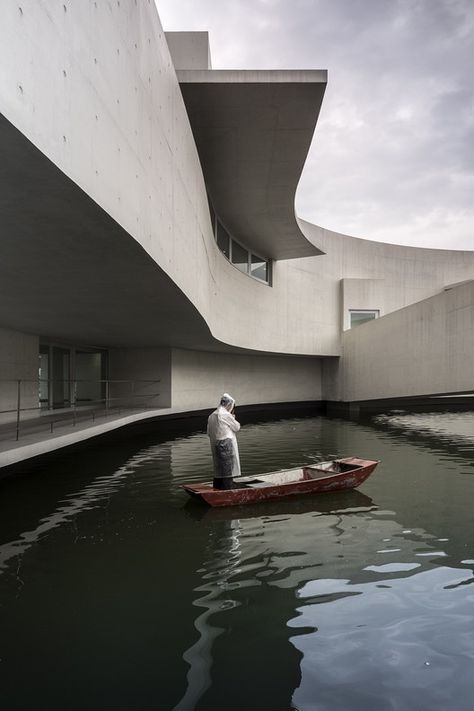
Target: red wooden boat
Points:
(337, 475)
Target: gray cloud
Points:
(393, 153)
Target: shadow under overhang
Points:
(69, 271)
(253, 131)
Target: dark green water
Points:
(116, 592)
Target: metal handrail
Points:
(108, 400)
(72, 380)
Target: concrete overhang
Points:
(253, 130)
(70, 272)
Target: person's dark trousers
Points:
(223, 464)
(223, 483)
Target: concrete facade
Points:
(150, 368)
(18, 372)
(423, 349)
(198, 379)
(108, 163)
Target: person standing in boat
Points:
(221, 429)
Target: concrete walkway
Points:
(33, 443)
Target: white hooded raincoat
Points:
(222, 425)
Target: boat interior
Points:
(290, 476)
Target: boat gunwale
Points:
(208, 488)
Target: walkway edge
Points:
(18, 454)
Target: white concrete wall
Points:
(424, 349)
(92, 85)
(189, 50)
(199, 379)
(139, 365)
(19, 360)
(192, 380)
(356, 273)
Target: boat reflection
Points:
(341, 502)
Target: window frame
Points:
(376, 313)
(218, 223)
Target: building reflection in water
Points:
(252, 570)
(224, 551)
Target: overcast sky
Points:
(393, 153)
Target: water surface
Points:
(118, 592)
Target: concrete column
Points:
(19, 354)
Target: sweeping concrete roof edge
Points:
(253, 76)
(253, 130)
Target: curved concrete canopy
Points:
(71, 272)
(253, 130)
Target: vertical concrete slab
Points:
(200, 378)
(424, 349)
(150, 371)
(19, 354)
(189, 50)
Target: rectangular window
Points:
(362, 316)
(259, 268)
(223, 240)
(240, 257)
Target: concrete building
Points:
(148, 234)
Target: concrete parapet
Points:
(424, 349)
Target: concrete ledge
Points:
(39, 444)
(427, 403)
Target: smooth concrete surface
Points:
(359, 295)
(93, 87)
(199, 379)
(107, 249)
(189, 50)
(424, 349)
(117, 221)
(139, 365)
(253, 130)
(39, 443)
(106, 232)
(356, 273)
(18, 361)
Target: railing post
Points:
(74, 395)
(18, 406)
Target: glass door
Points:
(43, 376)
(90, 374)
(60, 376)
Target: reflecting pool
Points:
(116, 591)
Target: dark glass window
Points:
(359, 317)
(213, 216)
(223, 240)
(240, 257)
(259, 268)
